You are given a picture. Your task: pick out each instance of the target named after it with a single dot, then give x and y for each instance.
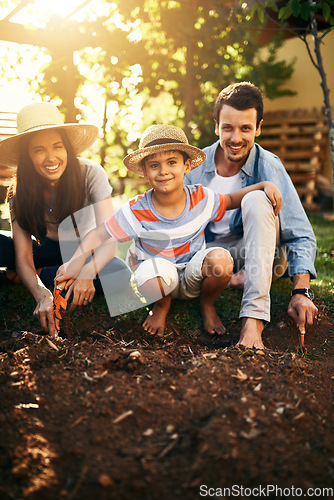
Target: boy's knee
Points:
(219, 255)
(218, 262)
(153, 268)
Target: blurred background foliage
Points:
(143, 62)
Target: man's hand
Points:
(302, 311)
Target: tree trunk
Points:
(104, 128)
(189, 94)
(69, 88)
(325, 89)
(189, 79)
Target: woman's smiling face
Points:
(48, 154)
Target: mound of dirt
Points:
(114, 413)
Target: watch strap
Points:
(303, 291)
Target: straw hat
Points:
(42, 116)
(159, 138)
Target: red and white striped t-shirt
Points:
(175, 239)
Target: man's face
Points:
(237, 131)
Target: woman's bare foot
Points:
(13, 276)
(212, 322)
(156, 319)
(251, 333)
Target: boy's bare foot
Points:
(237, 280)
(251, 333)
(156, 319)
(212, 322)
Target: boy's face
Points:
(165, 171)
(237, 131)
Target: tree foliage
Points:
(309, 20)
(156, 61)
(193, 48)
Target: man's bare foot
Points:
(156, 319)
(212, 322)
(251, 333)
(237, 280)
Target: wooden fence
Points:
(7, 129)
(300, 140)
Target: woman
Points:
(50, 185)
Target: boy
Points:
(167, 224)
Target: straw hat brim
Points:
(133, 160)
(81, 137)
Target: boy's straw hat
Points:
(40, 116)
(159, 138)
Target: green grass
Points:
(323, 285)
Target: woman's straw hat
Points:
(159, 138)
(40, 116)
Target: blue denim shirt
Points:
(295, 229)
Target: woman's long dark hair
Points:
(29, 185)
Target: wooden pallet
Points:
(7, 129)
(300, 139)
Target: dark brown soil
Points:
(109, 412)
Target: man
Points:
(253, 235)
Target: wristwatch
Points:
(303, 291)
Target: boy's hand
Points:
(61, 274)
(274, 196)
(69, 271)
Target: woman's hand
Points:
(83, 291)
(274, 196)
(44, 313)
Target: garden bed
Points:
(108, 411)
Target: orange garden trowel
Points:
(301, 348)
(59, 303)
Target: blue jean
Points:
(47, 256)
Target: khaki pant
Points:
(258, 252)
